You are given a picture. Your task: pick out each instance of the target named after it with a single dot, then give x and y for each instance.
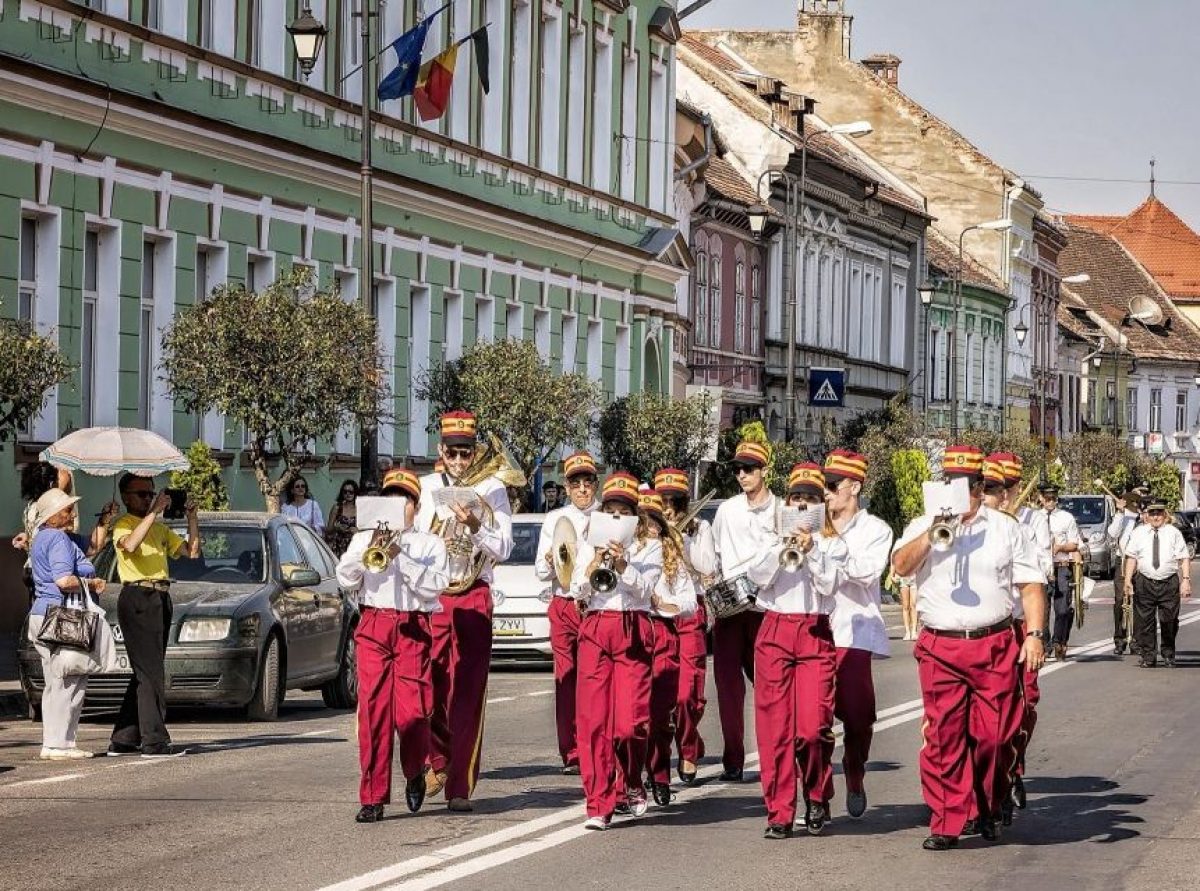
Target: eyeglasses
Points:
(1156, 513)
(581, 482)
(463, 452)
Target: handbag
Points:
(101, 659)
(73, 627)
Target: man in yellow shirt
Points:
(143, 544)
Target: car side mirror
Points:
(300, 577)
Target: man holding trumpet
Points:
(967, 655)
(393, 640)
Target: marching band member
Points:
(701, 559)
(395, 687)
(1119, 530)
(1065, 540)
(744, 529)
(795, 664)
(1159, 572)
(579, 470)
(967, 654)
(614, 663)
(859, 631)
(462, 630)
(677, 591)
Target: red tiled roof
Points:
(1115, 278)
(1160, 240)
(710, 54)
(943, 256)
(724, 179)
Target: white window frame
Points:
(595, 349)
(420, 333)
(541, 332)
(550, 101)
(630, 69)
(700, 328)
(739, 305)
(258, 262)
(576, 102)
(969, 369)
(714, 298)
(755, 309)
(87, 327)
(1155, 410)
(453, 313)
(602, 111)
(485, 318)
(570, 341)
(1131, 406)
(514, 319)
(622, 361)
(660, 135)
(521, 76)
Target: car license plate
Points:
(508, 627)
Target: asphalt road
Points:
(1113, 782)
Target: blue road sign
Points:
(827, 387)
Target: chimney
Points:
(884, 66)
(823, 28)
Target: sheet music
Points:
(463, 496)
(953, 496)
(375, 509)
(795, 519)
(604, 528)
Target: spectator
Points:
(550, 496)
(561, 495)
(58, 567)
(343, 519)
(303, 508)
(516, 502)
(143, 544)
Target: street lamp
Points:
(1197, 377)
(925, 291)
(793, 219)
(1001, 225)
(757, 215)
(308, 36)
(1021, 332)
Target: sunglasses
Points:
(739, 469)
(464, 452)
(140, 493)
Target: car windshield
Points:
(1087, 510)
(525, 539)
(231, 555)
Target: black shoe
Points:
(940, 842)
(989, 829)
(731, 776)
(1168, 661)
(1147, 663)
(115, 749)
(163, 750)
(1006, 811)
(778, 831)
(369, 813)
(414, 793)
(816, 816)
(661, 793)
(622, 809)
(687, 777)
(571, 770)
(1119, 649)
(1017, 794)
(971, 827)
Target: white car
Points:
(520, 624)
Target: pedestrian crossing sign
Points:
(827, 387)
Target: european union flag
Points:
(402, 79)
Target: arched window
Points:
(739, 306)
(714, 300)
(755, 310)
(700, 300)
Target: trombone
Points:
(683, 524)
(1011, 509)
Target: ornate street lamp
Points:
(757, 216)
(1021, 332)
(308, 37)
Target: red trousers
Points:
(795, 663)
(854, 706)
(693, 670)
(1030, 696)
(564, 640)
(395, 696)
(733, 657)
(664, 697)
(613, 697)
(972, 712)
(462, 653)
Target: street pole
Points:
(958, 284)
(369, 442)
(1043, 327)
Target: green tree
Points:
(1163, 480)
(202, 480)
(910, 468)
(30, 366)
(293, 365)
(643, 432)
(533, 409)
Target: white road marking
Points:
(501, 699)
(440, 873)
(61, 778)
(541, 693)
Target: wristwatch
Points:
(1039, 634)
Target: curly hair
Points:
(672, 556)
(37, 479)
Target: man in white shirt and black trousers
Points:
(1119, 530)
(1158, 569)
(1064, 543)
(968, 658)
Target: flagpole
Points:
(369, 445)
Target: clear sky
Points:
(1048, 88)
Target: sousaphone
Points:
(565, 544)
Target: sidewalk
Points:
(12, 700)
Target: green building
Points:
(152, 149)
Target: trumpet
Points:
(603, 578)
(791, 558)
(943, 531)
(377, 556)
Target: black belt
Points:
(152, 584)
(973, 633)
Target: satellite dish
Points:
(1145, 310)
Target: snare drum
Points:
(730, 597)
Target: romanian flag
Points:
(432, 94)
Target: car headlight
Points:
(197, 630)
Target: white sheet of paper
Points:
(460, 495)
(374, 509)
(605, 528)
(942, 497)
(795, 519)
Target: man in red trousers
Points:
(395, 687)
(967, 656)
(462, 631)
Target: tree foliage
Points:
(30, 366)
(202, 480)
(293, 365)
(644, 432)
(534, 410)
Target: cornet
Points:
(603, 579)
(943, 531)
(377, 555)
(791, 558)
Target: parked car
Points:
(1186, 522)
(1092, 514)
(259, 614)
(520, 622)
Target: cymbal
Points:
(565, 541)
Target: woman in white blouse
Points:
(303, 508)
